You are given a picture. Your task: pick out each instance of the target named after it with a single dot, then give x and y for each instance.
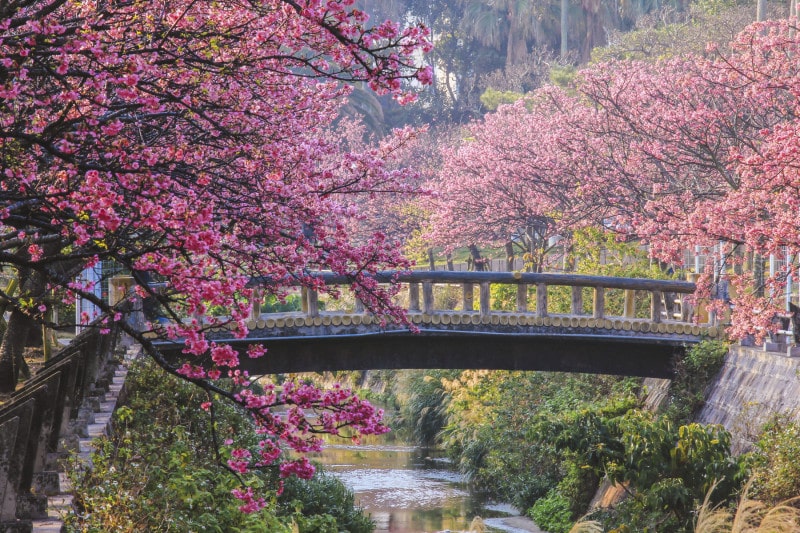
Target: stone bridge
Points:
(652, 323)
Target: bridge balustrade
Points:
(419, 297)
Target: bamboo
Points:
(468, 297)
(576, 306)
(312, 308)
(655, 307)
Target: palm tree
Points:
(564, 29)
(498, 22)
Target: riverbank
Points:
(514, 524)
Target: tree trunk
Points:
(431, 260)
(450, 266)
(564, 28)
(477, 260)
(19, 326)
(509, 256)
(570, 262)
(12, 349)
(510, 46)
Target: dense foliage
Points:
(161, 469)
(776, 468)
(544, 441)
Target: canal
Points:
(407, 489)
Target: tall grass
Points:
(751, 516)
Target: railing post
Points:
(655, 306)
(700, 310)
(522, 298)
(467, 297)
(313, 303)
(629, 305)
(541, 300)
(413, 296)
(576, 306)
(485, 296)
(599, 302)
(427, 297)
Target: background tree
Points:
(507, 181)
(695, 158)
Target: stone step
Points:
(46, 482)
(60, 502)
(103, 419)
(48, 525)
(96, 430)
(64, 483)
(94, 421)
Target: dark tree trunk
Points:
(15, 337)
(12, 349)
(431, 260)
(450, 266)
(477, 260)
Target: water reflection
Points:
(405, 489)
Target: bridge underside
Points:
(598, 354)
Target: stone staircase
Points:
(94, 421)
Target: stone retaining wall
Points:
(752, 387)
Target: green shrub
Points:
(321, 505)
(159, 471)
(492, 98)
(693, 375)
(776, 472)
(292, 302)
(552, 513)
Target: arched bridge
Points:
(549, 322)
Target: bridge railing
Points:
(420, 290)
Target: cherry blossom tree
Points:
(508, 181)
(689, 155)
(689, 151)
(183, 141)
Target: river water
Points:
(407, 489)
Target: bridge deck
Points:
(511, 341)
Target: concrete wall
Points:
(752, 386)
